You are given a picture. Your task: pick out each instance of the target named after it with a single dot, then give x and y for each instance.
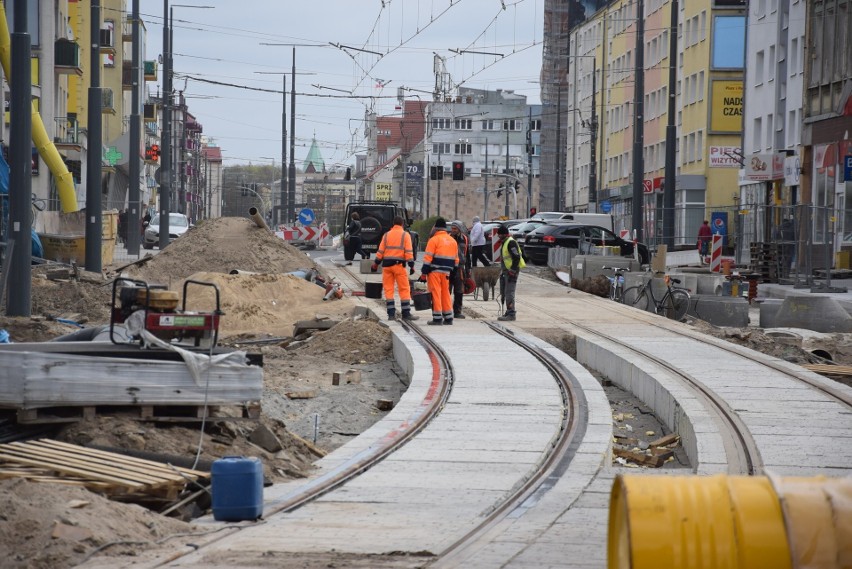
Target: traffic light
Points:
(348, 175)
(436, 172)
(458, 170)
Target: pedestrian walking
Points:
(439, 260)
(705, 234)
(460, 273)
(122, 226)
(353, 231)
(512, 263)
(477, 243)
(395, 251)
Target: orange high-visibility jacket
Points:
(395, 248)
(442, 253)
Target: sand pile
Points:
(218, 246)
(269, 304)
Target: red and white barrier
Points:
(716, 254)
(496, 254)
(302, 232)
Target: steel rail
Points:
(739, 445)
(553, 466)
(433, 402)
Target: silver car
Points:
(178, 225)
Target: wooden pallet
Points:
(154, 413)
(112, 474)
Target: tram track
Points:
(741, 448)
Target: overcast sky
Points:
(225, 44)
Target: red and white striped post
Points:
(716, 254)
(496, 255)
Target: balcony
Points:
(68, 134)
(107, 101)
(66, 54)
(127, 76)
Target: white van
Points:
(600, 219)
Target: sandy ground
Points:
(49, 525)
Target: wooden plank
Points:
(829, 369)
(665, 441)
(638, 457)
(69, 470)
(64, 464)
(125, 459)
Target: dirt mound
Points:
(364, 341)
(57, 525)
(264, 303)
(219, 246)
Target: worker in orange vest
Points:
(395, 251)
(440, 259)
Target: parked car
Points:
(600, 219)
(521, 230)
(178, 225)
(576, 236)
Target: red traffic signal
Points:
(458, 170)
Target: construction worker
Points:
(458, 276)
(439, 260)
(395, 251)
(512, 263)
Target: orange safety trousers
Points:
(396, 274)
(442, 302)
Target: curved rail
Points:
(564, 447)
(740, 446)
(436, 396)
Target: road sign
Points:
(647, 186)
(306, 216)
(605, 206)
(847, 168)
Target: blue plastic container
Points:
(237, 489)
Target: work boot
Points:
(391, 316)
(409, 316)
(459, 315)
(435, 323)
(448, 321)
(508, 317)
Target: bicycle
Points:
(616, 288)
(674, 304)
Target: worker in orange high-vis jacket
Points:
(395, 251)
(439, 260)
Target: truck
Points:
(376, 219)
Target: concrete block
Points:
(769, 308)
(592, 264)
(720, 310)
(818, 313)
(709, 284)
(365, 266)
(689, 281)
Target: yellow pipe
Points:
(44, 145)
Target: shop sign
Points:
(764, 167)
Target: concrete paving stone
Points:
(776, 394)
(473, 427)
(473, 476)
(461, 498)
(419, 454)
(597, 437)
(495, 554)
(841, 430)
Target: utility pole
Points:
(166, 156)
(529, 164)
(94, 215)
(133, 195)
(593, 156)
(440, 176)
(282, 218)
(638, 121)
(457, 194)
(557, 198)
(671, 134)
(506, 209)
(487, 171)
(291, 174)
(19, 295)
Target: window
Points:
(441, 124)
(758, 134)
(490, 125)
(535, 125)
(463, 148)
(512, 124)
(758, 67)
(441, 148)
(463, 124)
